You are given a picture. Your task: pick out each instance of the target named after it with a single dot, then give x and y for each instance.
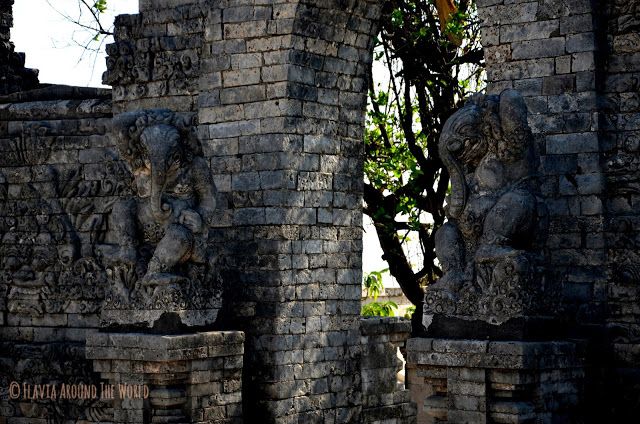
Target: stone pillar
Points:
(476, 382)
(14, 76)
(621, 156)
(280, 92)
(168, 379)
(384, 397)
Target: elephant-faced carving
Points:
(487, 249)
(157, 238)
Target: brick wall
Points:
(576, 61)
(547, 50)
(384, 399)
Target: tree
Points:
(89, 17)
(431, 52)
(92, 24)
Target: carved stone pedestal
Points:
(170, 379)
(479, 381)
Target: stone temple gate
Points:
(195, 232)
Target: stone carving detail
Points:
(45, 266)
(625, 15)
(487, 249)
(156, 248)
(124, 66)
(130, 69)
(55, 364)
(134, 236)
(33, 147)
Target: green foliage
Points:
(373, 283)
(379, 309)
(100, 6)
(409, 312)
(423, 73)
(457, 24)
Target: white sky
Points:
(51, 42)
(53, 46)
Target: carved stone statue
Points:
(489, 248)
(157, 242)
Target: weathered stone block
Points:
(581, 42)
(529, 31)
(572, 143)
(550, 47)
(583, 61)
(558, 84)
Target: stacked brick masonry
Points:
(577, 61)
(548, 51)
(194, 378)
(296, 160)
(155, 60)
(280, 94)
(385, 400)
(478, 381)
(56, 184)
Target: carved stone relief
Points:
(148, 70)
(46, 266)
(156, 251)
(488, 249)
(54, 364)
(134, 235)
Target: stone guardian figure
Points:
(157, 246)
(489, 247)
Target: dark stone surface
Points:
(522, 328)
(56, 92)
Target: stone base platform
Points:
(189, 378)
(479, 381)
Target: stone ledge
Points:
(188, 378)
(493, 354)
(375, 326)
(57, 92)
(145, 347)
